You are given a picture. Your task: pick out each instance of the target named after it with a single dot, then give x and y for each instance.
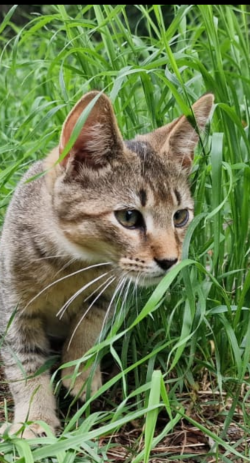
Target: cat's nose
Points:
(166, 264)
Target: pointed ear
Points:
(99, 139)
(184, 135)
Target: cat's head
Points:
(125, 202)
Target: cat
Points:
(110, 210)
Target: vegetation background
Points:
(176, 359)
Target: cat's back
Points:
(26, 198)
(23, 223)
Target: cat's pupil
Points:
(130, 218)
(181, 218)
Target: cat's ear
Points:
(178, 139)
(184, 135)
(99, 139)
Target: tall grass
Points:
(195, 327)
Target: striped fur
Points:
(62, 241)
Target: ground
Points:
(186, 442)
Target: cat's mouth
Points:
(144, 279)
(150, 280)
(146, 274)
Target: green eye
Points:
(130, 218)
(181, 218)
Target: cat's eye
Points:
(181, 218)
(130, 218)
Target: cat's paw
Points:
(30, 431)
(77, 388)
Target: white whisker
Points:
(95, 291)
(85, 313)
(63, 309)
(124, 299)
(110, 306)
(135, 288)
(126, 295)
(135, 293)
(64, 278)
(71, 261)
(123, 281)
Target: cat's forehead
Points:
(142, 148)
(154, 169)
(152, 179)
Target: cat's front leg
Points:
(25, 350)
(80, 340)
(34, 401)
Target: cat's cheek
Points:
(93, 243)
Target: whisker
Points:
(136, 298)
(63, 309)
(123, 282)
(126, 290)
(117, 293)
(95, 291)
(110, 306)
(67, 264)
(125, 295)
(112, 278)
(64, 278)
(134, 292)
(85, 313)
(144, 278)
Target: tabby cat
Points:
(108, 211)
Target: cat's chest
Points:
(61, 299)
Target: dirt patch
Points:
(186, 442)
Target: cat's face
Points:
(127, 203)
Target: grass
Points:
(181, 392)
